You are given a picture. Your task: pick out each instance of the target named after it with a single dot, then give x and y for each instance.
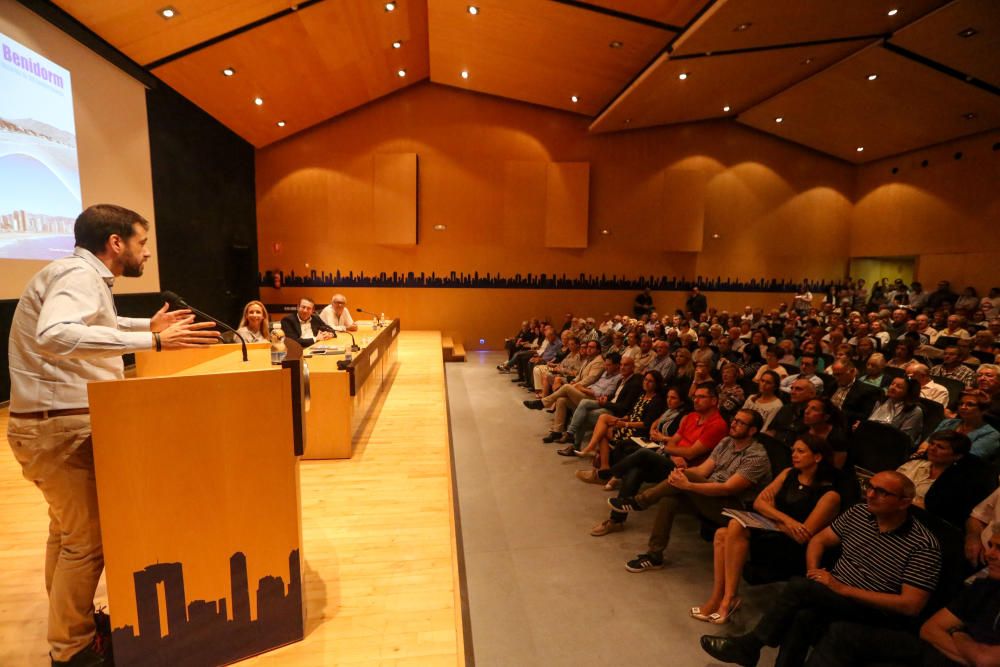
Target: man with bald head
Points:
(928, 388)
(337, 315)
(854, 398)
(887, 569)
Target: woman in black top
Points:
(800, 502)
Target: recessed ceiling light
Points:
(390, 6)
(473, 10)
(742, 27)
(807, 61)
(860, 149)
(397, 45)
(280, 123)
(440, 228)
(229, 71)
(574, 99)
(605, 232)
(969, 116)
(892, 12)
(968, 32)
(715, 236)
(872, 77)
(726, 108)
(465, 74)
(401, 73)
(258, 101)
(616, 44)
(627, 121)
(682, 76)
(779, 119)
(168, 12)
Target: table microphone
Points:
(375, 316)
(178, 302)
(354, 345)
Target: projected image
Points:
(39, 170)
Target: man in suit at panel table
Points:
(854, 398)
(305, 327)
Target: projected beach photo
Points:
(39, 169)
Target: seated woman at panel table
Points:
(801, 501)
(972, 405)
(950, 481)
(255, 325)
(614, 432)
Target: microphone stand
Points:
(354, 344)
(178, 301)
(375, 317)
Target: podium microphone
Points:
(375, 316)
(178, 302)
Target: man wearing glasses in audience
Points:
(888, 568)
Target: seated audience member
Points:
(963, 632)
(821, 419)
(305, 327)
(588, 330)
(955, 329)
(968, 301)
(617, 343)
(985, 440)
(731, 395)
(929, 389)
(903, 354)
(773, 363)
(685, 369)
(589, 412)
(807, 371)
(727, 355)
(879, 333)
(702, 373)
(875, 372)
(255, 326)
(983, 342)
(889, 591)
(568, 364)
(703, 352)
(787, 424)
(801, 501)
(750, 361)
(988, 380)
(545, 353)
(631, 344)
(662, 363)
(618, 431)
(983, 521)
(645, 355)
(524, 346)
(854, 398)
(900, 409)
(337, 315)
(731, 476)
(565, 399)
(951, 366)
(514, 344)
(950, 481)
(766, 402)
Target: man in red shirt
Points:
(698, 433)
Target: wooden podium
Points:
(198, 484)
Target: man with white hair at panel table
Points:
(337, 315)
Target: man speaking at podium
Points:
(66, 333)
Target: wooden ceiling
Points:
(314, 59)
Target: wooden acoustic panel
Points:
(908, 106)
(567, 195)
(660, 97)
(523, 201)
(394, 199)
(538, 52)
(307, 66)
(777, 22)
(671, 12)
(936, 36)
(137, 29)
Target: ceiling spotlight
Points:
(715, 236)
(779, 119)
(390, 6)
(465, 74)
(860, 149)
(440, 228)
(605, 232)
(401, 73)
(627, 121)
(574, 99)
(473, 10)
(258, 101)
(726, 108)
(168, 12)
(892, 12)
(616, 44)
(969, 116)
(280, 123)
(807, 61)
(229, 71)
(968, 32)
(397, 45)
(682, 76)
(742, 27)
(872, 77)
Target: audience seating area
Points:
(893, 381)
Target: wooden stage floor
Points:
(381, 574)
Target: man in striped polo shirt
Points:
(887, 569)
